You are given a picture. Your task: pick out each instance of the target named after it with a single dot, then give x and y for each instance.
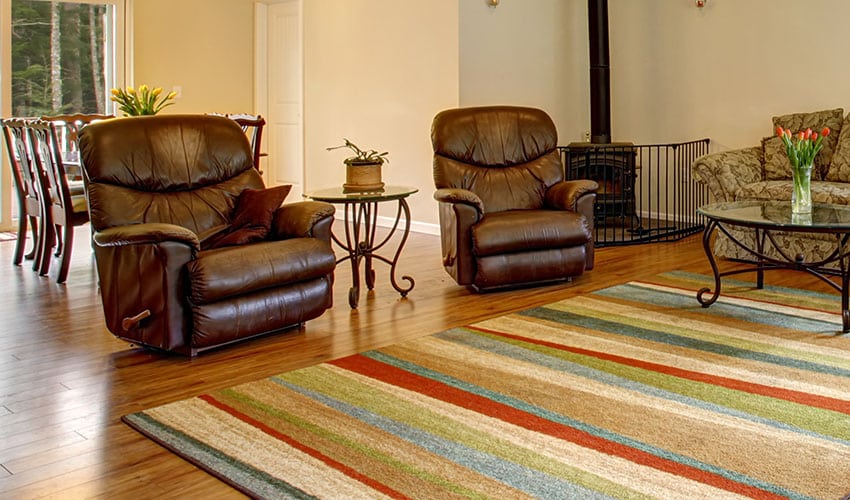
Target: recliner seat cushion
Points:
(231, 271)
(526, 230)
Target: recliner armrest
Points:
(148, 233)
(565, 195)
(303, 219)
(456, 195)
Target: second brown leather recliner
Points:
(507, 216)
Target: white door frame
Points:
(261, 90)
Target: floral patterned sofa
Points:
(763, 172)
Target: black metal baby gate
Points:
(646, 192)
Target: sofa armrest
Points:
(726, 171)
(462, 196)
(145, 234)
(565, 195)
(303, 219)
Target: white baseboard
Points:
(415, 226)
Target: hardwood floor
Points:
(65, 381)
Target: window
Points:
(58, 51)
(58, 57)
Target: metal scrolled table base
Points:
(766, 263)
(360, 234)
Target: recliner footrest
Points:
(526, 230)
(231, 271)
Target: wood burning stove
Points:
(657, 205)
(614, 167)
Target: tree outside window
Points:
(58, 51)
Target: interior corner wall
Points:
(376, 72)
(203, 46)
(678, 72)
(528, 53)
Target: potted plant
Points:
(363, 168)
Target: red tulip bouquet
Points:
(802, 148)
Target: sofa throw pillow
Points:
(777, 166)
(839, 169)
(252, 218)
(796, 122)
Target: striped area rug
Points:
(634, 391)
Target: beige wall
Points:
(376, 72)
(724, 70)
(527, 53)
(678, 72)
(204, 46)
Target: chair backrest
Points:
(26, 176)
(507, 155)
(186, 170)
(47, 157)
(68, 128)
(252, 126)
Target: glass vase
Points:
(801, 196)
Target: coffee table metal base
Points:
(706, 296)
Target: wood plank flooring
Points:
(65, 381)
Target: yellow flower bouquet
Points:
(142, 102)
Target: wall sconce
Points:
(701, 3)
(492, 3)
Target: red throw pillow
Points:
(252, 218)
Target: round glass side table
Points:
(360, 220)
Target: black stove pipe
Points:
(600, 73)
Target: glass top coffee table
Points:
(767, 217)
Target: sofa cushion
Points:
(817, 120)
(822, 192)
(232, 271)
(526, 230)
(777, 166)
(252, 218)
(839, 168)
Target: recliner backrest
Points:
(507, 155)
(186, 170)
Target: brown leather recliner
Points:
(507, 217)
(160, 188)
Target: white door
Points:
(285, 144)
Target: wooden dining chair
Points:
(26, 179)
(68, 134)
(253, 126)
(68, 127)
(66, 211)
